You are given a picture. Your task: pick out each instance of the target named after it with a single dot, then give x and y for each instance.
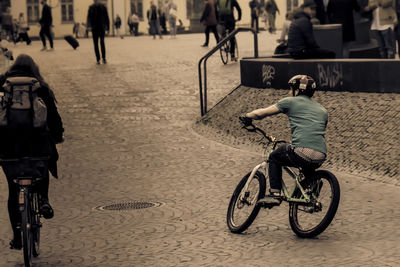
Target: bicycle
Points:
(306, 199)
(225, 50)
(28, 202)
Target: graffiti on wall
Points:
(268, 73)
(330, 75)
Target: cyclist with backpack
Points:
(227, 19)
(308, 120)
(30, 127)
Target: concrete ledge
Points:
(352, 75)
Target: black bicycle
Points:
(28, 203)
(225, 50)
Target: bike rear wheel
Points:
(26, 224)
(309, 220)
(224, 52)
(243, 208)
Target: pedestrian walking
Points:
(209, 19)
(23, 30)
(383, 22)
(172, 16)
(27, 142)
(7, 25)
(254, 12)
(135, 24)
(271, 8)
(98, 21)
(117, 25)
(130, 24)
(163, 18)
(46, 22)
(153, 16)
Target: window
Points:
(32, 10)
(67, 11)
(292, 4)
(137, 7)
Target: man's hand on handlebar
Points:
(246, 121)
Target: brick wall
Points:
(362, 134)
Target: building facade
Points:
(67, 12)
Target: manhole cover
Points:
(135, 205)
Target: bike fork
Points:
(253, 172)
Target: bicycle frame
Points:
(287, 196)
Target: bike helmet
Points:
(304, 84)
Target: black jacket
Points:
(97, 18)
(36, 142)
(301, 34)
(46, 20)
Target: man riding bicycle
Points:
(308, 120)
(227, 19)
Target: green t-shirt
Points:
(308, 120)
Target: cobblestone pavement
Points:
(129, 137)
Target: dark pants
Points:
(10, 171)
(386, 42)
(9, 30)
(45, 31)
(99, 34)
(213, 28)
(313, 53)
(254, 19)
(23, 36)
(285, 156)
(135, 26)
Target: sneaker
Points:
(233, 58)
(204, 45)
(46, 210)
(43, 49)
(98, 62)
(104, 61)
(270, 200)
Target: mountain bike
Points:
(28, 203)
(313, 199)
(225, 50)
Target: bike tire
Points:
(239, 227)
(26, 223)
(316, 187)
(36, 226)
(224, 52)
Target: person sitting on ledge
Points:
(301, 41)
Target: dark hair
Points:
(26, 64)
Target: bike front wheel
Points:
(26, 224)
(243, 208)
(309, 220)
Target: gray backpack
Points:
(20, 106)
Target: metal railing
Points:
(203, 96)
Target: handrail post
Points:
(203, 96)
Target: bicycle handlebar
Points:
(254, 128)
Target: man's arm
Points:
(239, 10)
(261, 113)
